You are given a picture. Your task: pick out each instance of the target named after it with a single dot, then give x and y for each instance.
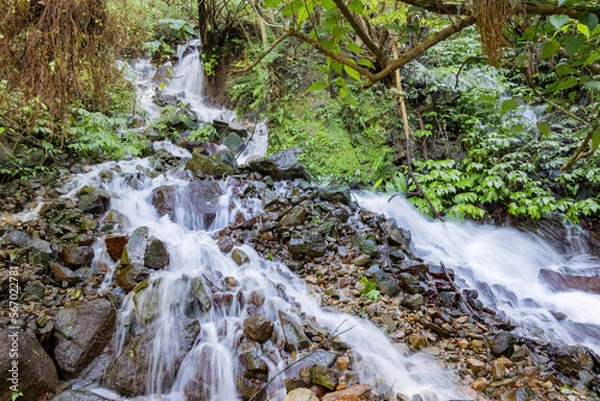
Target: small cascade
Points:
(512, 271)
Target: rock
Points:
(479, 384)
(385, 283)
(163, 200)
(361, 260)
(30, 371)
(502, 344)
(78, 395)
(234, 142)
(92, 200)
(239, 256)
(35, 288)
(571, 359)
(254, 365)
(361, 392)
(564, 282)
(224, 127)
(258, 328)
(292, 383)
(301, 394)
(162, 99)
(81, 333)
(200, 164)
(78, 256)
(336, 194)
(294, 217)
(225, 244)
(309, 243)
(323, 376)
(399, 237)
(115, 243)
(61, 273)
(475, 365)
(135, 249)
(226, 156)
(18, 238)
(281, 166)
(518, 394)
(343, 362)
(249, 388)
(318, 357)
(128, 374)
(203, 197)
(294, 336)
(498, 369)
(118, 218)
(156, 255)
(413, 302)
(199, 294)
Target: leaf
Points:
(328, 4)
(592, 85)
(162, 85)
(566, 83)
(352, 72)
(508, 105)
(565, 69)
(271, 3)
(589, 19)
(544, 127)
(550, 48)
(559, 20)
(595, 139)
(366, 62)
(486, 99)
(350, 101)
(393, 27)
(573, 43)
(357, 6)
(354, 48)
(317, 86)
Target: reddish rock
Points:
(115, 244)
(361, 392)
(564, 282)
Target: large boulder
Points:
(25, 366)
(80, 334)
(78, 256)
(310, 243)
(565, 282)
(281, 166)
(336, 194)
(92, 200)
(200, 164)
(156, 255)
(258, 328)
(295, 338)
(203, 200)
(78, 395)
(132, 268)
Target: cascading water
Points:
(504, 266)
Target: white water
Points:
(503, 264)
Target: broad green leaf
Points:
(588, 19)
(486, 99)
(566, 83)
(393, 27)
(544, 127)
(317, 86)
(596, 139)
(573, 43)
(559, 20)
(565, 69)
(516, 129)
(550, 48)
(271, 3)
(356, 6)
(366, 62)
(352, 72)
(162, 85)
(354, 48)
(509, 104)
(328, 4)
(592, 85)
(349, 101)
(584, 30)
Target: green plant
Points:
(203, 133)
(370, 290)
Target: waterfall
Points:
(504, 265)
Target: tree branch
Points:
(263, 54)
(381, 56)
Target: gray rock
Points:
(309, 243)
(294, 217)
(225, 244)
(18, 238)
(336, 194)
(281, 166)
(239, 256)
(35, 288)
(81, 333)
(61, 273)
(294, 336)
(163, 200)
(385, 283)
(323, 376)
(78, 256)
(254, 365)
(414, 302)
(399, 237)
(234, 142)
(226, 156)
(31, 371)
(502, 344)
(200, 164)
(92, 200)
(199, 294)
(258, 328)
(78, 395)
(156, 256)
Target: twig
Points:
(462, 298)
(249, 139)
(265, 53)
(213, 284)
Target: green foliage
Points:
(203, 133)
(370, 290)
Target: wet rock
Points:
(63, 274)
(92, 200)
(239, 256)
(135, 249)
(203, 200)
(336, 194)
(281, 166)
(292, 383)
(498, 369)
(226, 156)
(301, 394)
(385, 283)
(78, 256)
(225, 244)
(254, 365)
(518, 394)
(413, 302)
(78, 395)
(294, 336)
(361, 392)
(117, 218)
(502, 344)
(399, 237)
(323, 376)
(234, 142)
(115, 243)
(475, 365)
(318, 357)
(81, 332)
(294, 217)
(156, 255)
(32, 372)
(258, 328)
(249, 388)
(35, 288)
(225, 127)
(163, 200)
(162, 99)
(128, 375)
(571, 359)
(199, 294)
(565, 282)
(309, 243)
(200, 164)
(365, 245)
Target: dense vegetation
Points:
(475, 109)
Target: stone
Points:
(385, 283)
(565, 282)
(281, 166)
(475, 365)
(254, 365)
(336, 194)
(360, 392)
(80, 334)
(156, 255)
(413, 302)
(323, 376)
(389, 323)
(310, 243)
(203, 202)
(234, 142)
(502, 344)
(239, 256)
(135, 249)
(498, 369)
(78, 256)
(258, 328)
(34, 375)
(294, 217)
(163, 200)
(225, 244)
(115, 243)
(78, 395)
(200, 164)
(343, 362)
(35, 288)
(399, 237)
(92, 200)
(199, 294)
(63, 274)
(18, 238)
(294, 336)
(480, 384)
(301, 394)
(249, 388)
(571, 359)
(318, 357)
(361, 260)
